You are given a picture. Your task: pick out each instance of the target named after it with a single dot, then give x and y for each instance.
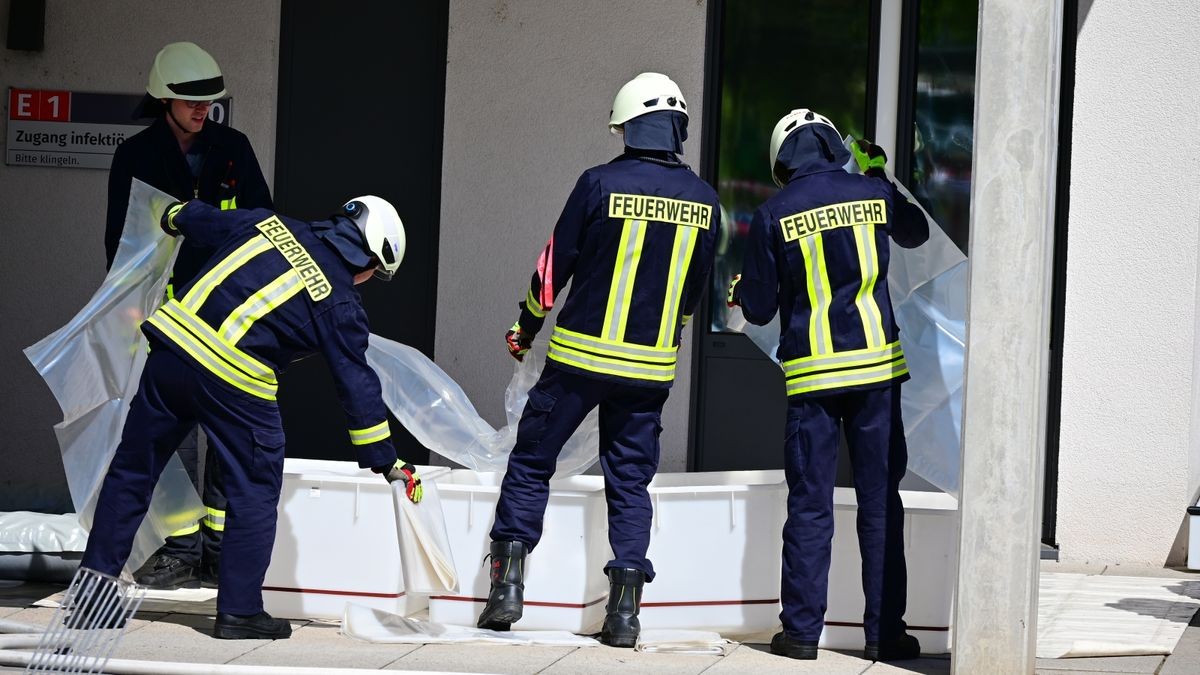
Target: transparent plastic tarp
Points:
(928, 286)
(93, 365)
(437, 412)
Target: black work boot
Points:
(261, 626)
(899, 648)
(506, 601)
(166, 573)
(782, 645)
(621, 625)
(209, 574)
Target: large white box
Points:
(931, 555)
(336, 542)
(716, 545)
(565, 586)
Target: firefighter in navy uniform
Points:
(637, 236)
(275, 288)
(182, 155)
(818, 253)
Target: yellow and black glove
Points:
(518, 342)
(403, 471)
(871, 158)
(731, 298)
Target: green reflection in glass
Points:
(944, 113)
(777, 56)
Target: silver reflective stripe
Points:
(599, 364)
(865, 356)
(200, 290)
(260, 304)
(627, 261)
(847, 378)
(818, 293)
(864, 236)
(680, 259)
(619, 349)
(209, 337)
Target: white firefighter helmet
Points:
(789, 124)
(185, 71)
(382, 228)
(643, 94)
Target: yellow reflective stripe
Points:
(204, 286)
(215, 520)
(534, 307)
(819, 338)
(229, 204)
(614, 348)
(227, 351)
(868, 262)
(215, 513)
(681, 258)
(184, 531)
(847, 378)
(609, 366)
(370, 435)
(204, 355)
(171, 213)
(620, 294)
(259, 304)
(844, 359)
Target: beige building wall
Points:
(52, 220)
(529, 86)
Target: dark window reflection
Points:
(944, 111)
(776, 56)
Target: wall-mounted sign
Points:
(80, 130)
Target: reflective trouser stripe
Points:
(681, 258)
(184, 531)
(231, 263)
(609, 365)
(819, 299)
(620, 294)
(214, 520)
(370, 435)
(212, 359)
(259, 304)
(868, 262)
(846, 378)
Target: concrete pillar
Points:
(1012, 207)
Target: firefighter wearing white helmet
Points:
(275, 288)
(635, 240)
(817, 253)
(189, 157)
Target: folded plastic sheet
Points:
(93, 365)
(438, 413)
(375, 625)
(670, 641)
(425, 555)
(29, 532)
(928, 286)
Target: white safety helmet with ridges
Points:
(643, 94)
(787, 126)
(382, 228)
(185, 71)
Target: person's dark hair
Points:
(149, 107)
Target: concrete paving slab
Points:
(756, 659)
(25, 593)
(6, 612)
(183, 638)
(39, 616)
(1155, 572)
(321, 645)
(1103, 664)
(1072, 567)
(610, 659)
(929, 665)
(473, 658)
(1184, 660)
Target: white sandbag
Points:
(29, 532)
(374, 625)
(425, 555)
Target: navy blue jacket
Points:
(637, 236)
(229, 178)
(818, 253)
(273, 291)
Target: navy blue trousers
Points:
(630, 422)
(247, 435)
(875, 435)
(203, 545)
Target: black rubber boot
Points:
(896, 649)
(261, 626)
(621, 625)
(782, 645)
(506, 601)
(208, 575)
(165, 573)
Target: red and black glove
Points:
(518, 342)
(402, 470)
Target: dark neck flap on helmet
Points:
(659, 130)
(343, 236)
(813, 148)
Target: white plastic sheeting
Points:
(28, 532)
(425, 555)
(668, 641)
(93, 365)
(375, 625)
(928, 286)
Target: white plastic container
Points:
(336, 543)
(931, 554)
(1193, 561)
(565, 586)
(716, 547)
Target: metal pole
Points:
(1007, 359)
